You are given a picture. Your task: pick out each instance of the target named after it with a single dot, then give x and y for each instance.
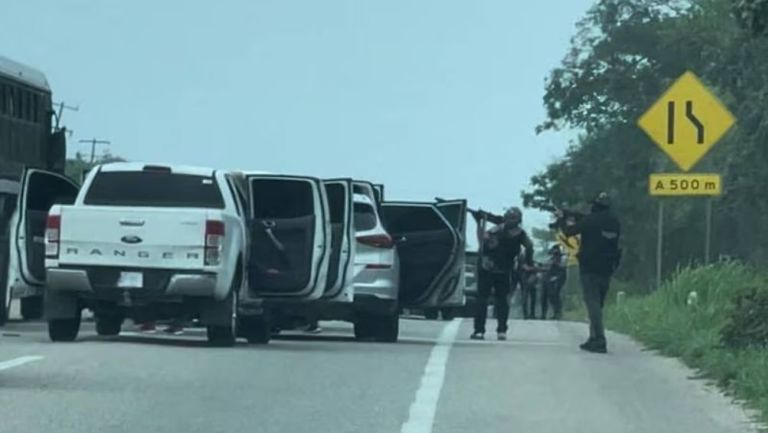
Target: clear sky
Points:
(431, 98)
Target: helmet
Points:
(513, 215)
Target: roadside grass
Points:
(722, 333)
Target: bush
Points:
(747, 325)
(723, 335)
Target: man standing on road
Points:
(529, 281)
(554, 279)
(599, 256)
(499, 250)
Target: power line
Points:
(94, 142)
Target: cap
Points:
(602, 199)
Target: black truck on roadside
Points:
(30, 140)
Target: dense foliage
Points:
(722, 334)
(624, 55)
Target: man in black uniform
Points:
(529, 281)
(599, 256)
(499, 249)
(554, 280)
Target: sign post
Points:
(685, 123)
(659, 242)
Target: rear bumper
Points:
(102, 284)
(379, 283)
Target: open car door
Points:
(338, 285)
(378, 192)
(426, 242)
(452, 286)
(290, 237)
(39, 191)
(9, 196)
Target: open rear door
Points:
(290, 239)
(40, 190)
(452, 286)
(378, 192)
(340, 270)
(9, 197)
(426, 245)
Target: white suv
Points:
(377, 270)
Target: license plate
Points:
(131, 280)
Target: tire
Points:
(256, 329)
(387, 328)
(431, 313)
(5, 308)
(448, 313)
(225, 335)
(363, 328)
(220, 336)
(64, 330)
(108, 324)
(32, 308)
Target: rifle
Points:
(567, 214)
(479, 214)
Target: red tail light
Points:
(378, 266)
(214, 242)
(52, 236)
(377, 241)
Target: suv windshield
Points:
(157, 189)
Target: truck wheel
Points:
(221, 336)
(363, 327)
(387, 328)
(431, 313)
(448, 313)
(108, 324)
(225, 335)
(5, 308)
(32, 308)
(256, 329)
(64, 329)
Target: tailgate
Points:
(159, 238)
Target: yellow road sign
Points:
(686, 121)
(685, 184)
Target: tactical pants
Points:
(595, 288)
(500, 285)
(552, 296)
(528, 299)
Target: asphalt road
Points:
(434, 380)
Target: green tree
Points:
(624, 55)
(75, 167)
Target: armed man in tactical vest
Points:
(599, 256)
(499, 250)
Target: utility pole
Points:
(94, 142)
(62, 106)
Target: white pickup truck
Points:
(141, 237)
(182, 240)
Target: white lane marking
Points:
(421, 417)
(5, 365)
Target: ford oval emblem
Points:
(131, 239)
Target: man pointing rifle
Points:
(499, 250)
(599, 256)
